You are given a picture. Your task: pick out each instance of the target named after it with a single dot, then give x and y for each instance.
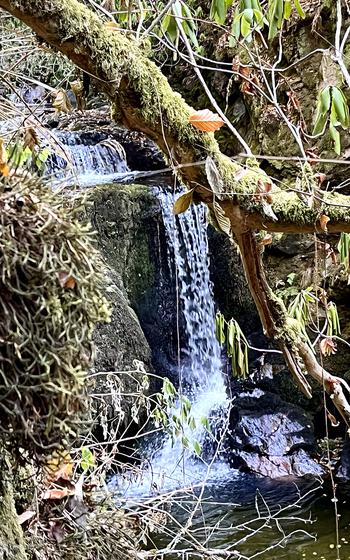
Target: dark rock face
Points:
(343, 471)
(126, 220)
(271, 437)
(131, 236)
(122, 357)
(231, 292)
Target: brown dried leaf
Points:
(320, 178)
(55, 493)
(293, 100)
(206, 120)
(263, 189)
(4, 168)
(64, 472)
(222, 220)
(323, 222)
(183, 202)
(25, 516)
(266, 240)
(30, 138)
(66, 281)
(335, 423)
(328, 346)
(61, 102)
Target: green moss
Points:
(122, 220)
(11, 537)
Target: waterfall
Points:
(86, 164)
(200, 372)
(188, 247)
(201, 376)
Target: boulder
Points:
(271, 437)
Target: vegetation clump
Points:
(51, 297)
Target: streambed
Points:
(249, 516)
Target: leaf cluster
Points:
(236, 344)
(250, 17)
(332, 109)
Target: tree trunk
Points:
(12, 545)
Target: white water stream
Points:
(200, 373)
(201, 377)
(86, 164)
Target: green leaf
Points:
(197, 448)
(173, 31)
(322, 109)
(221, 11)
(336, 137)
(183, 202)
(220, 328)
(340, 107)
(245, 26)
(43, 155)
(205, 423)
(87, 459)
(299, 9)
(287, 9)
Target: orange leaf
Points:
(4, 169)
(324, 221)
(267, 240)
(263, 189)
(66, 281)
(335, 423)
(206, 120)
(64, 472)
(55, 494)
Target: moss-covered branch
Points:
(143, 100)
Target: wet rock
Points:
(343, 471)
(270, 437)
(131, 235)
(122, 358)
(231, 292)
(127, 221)
(292, 244)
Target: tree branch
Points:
(143, 100)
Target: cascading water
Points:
(200, 372)
(86, 164)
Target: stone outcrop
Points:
(271, 437)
